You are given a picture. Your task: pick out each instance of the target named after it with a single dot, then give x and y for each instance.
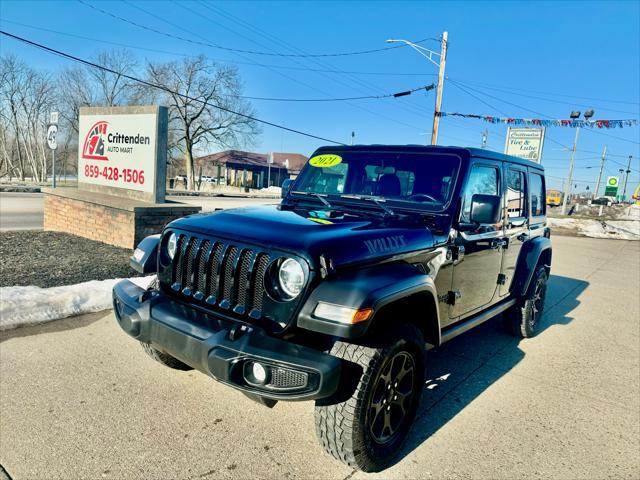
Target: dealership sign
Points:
(123, 151)
(525, 143)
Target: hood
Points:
(310, 232)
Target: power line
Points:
(180, 54)
(507, 102)
(551, 100)
(476, 97)
(231, 49)
(296, 80)
(500, 111)
(546, 136)
(160, 87)
(290, 48)
(368, 97)
(533, 111)
(555, 94)
(541, 114)
(294, 59)
(612, 136)
(572, 181)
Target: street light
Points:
(429, 55)
(575, 114)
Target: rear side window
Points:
(515, 194)
(538, 200)
(482, 179)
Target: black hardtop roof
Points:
(474, 152)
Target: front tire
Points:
(523, 319)
(367, 429)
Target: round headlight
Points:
(291, 277)
(172, 245)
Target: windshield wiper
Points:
(375, 200)
(318, 196)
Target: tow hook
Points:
(238, 331)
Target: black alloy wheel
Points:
(392, 397)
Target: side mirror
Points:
(485, 208)
(286, 186)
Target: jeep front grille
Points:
(219, 274)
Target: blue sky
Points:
(570, 55)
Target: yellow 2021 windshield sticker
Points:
(326, 160)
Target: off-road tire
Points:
(523, 319)
(342, 421)
(164, 358)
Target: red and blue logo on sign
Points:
(94, 142)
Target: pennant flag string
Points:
(546, 123)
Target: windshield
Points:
(407, 179)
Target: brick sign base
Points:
(114, 220)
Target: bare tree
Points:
(12, 73)
(36, 102)
(113, 89)
(74, 91)
(202, 97)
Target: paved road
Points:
(24, 211)
(20, 211)
(79, 399)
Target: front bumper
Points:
(223, 348)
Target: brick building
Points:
(250, 169)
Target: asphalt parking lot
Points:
(79, 399)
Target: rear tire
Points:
(523, 319)
(366, 429)
(164, 358)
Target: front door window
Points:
(475, 275)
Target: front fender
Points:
(529, 257)
(144, 258)
(372, 287)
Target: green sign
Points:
(611, 188)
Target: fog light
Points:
(259, 372)
(256, 373)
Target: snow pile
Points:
(632, 212)
(619, 229)
(272, 190)
(20, 306)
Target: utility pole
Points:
(429, 54)
(567, 186)
(604, 156)
(626, 177)
(436, 113)
(269, 162)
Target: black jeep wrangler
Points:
(375, 254)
